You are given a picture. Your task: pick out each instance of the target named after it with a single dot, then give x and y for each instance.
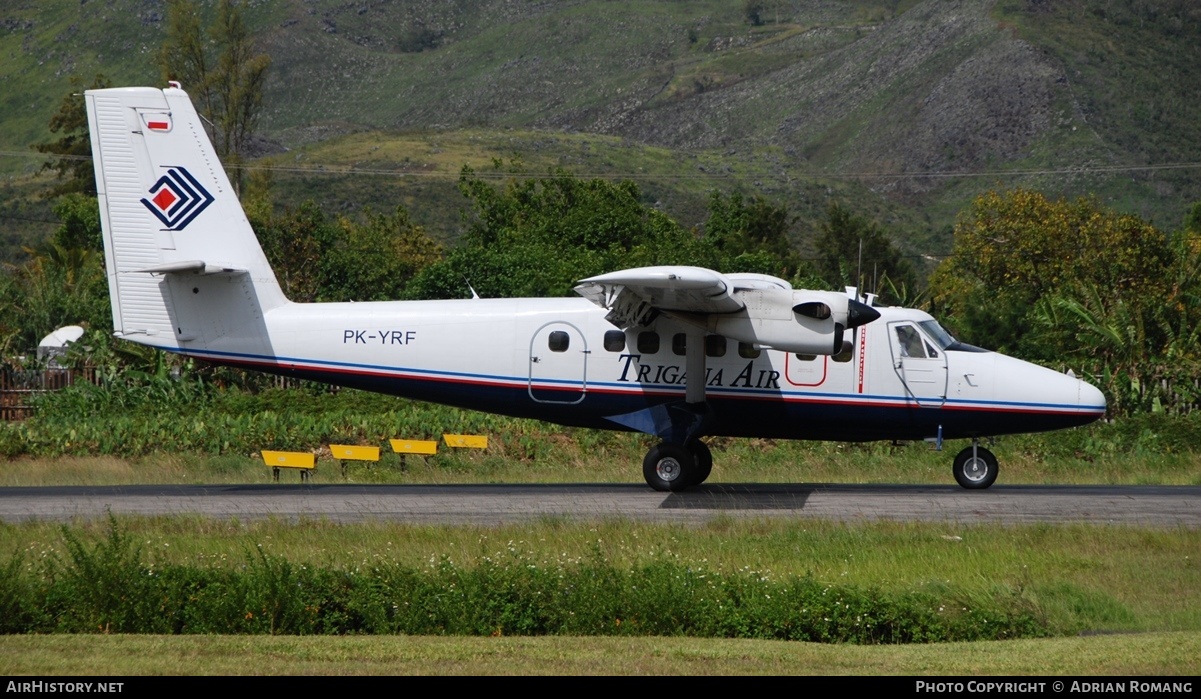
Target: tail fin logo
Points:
(177, 198)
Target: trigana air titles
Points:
(676, 352)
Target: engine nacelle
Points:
(802, 321)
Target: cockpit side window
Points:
(910, 342)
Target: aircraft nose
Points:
(1091, 397)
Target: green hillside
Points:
(902, 109)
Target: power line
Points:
(7, 217)
(338, 170)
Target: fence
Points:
(19, 386)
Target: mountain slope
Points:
(905, 108)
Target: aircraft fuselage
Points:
(559, 360)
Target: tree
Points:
(1014, 249)
(79, 226)
(223, 75)
(753, 11)
(58, 286)
(73, 148)
(295, 243)
(849, 246)
(319, 259)
(751, 236)
(374, 259)
(536, 236)
(1192, 220)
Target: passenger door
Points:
(558, 364)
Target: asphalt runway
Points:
(1160, 506)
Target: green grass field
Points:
(1150, 654)
(1121, 600)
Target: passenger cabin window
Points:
(715, 345)
(748, 351)
(806, 357)
(648, 342)
(679, 344)
(910, 342)
(615, 340)
(558, 341)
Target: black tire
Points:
(668, 467)
(977, 473)
(702, 460)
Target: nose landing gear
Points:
(975, 467)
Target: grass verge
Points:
(1079, 578)
(1177, 654)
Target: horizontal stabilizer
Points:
(191, 267)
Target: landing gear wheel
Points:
(703, 458)
(975, 472)
(669, 467)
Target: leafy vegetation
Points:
(712, 580)
(1073, 283)
(108, 586)
(535, 236)
(321, 258)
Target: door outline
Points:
(558, 368)
(924, 378)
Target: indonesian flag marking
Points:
(157, 122)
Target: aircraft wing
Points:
(634, 296)
(753, 308)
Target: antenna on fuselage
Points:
(472, 288)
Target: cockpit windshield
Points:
(941, 337)
(944, 340)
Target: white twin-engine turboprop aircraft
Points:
(675, 352)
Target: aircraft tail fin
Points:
(184, 266)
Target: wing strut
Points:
(694, 368)
(680, 422)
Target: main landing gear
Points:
(670, 467)
(975, 467)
